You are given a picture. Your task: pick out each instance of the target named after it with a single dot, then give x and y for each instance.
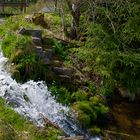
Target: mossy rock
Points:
(7, 132)
(38, 19)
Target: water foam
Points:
(33, 100)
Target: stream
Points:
(35, 102)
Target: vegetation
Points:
(15, 127)
(101, 46)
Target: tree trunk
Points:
(75, 12)
(63, 22)
(55, 4)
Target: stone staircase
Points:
(47, 54)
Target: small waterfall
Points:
(33, 100)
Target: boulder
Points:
(48, 10)
(38, 19)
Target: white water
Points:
(33, 100)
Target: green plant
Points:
(59, 48)
(19, 125)
(91, 111)
(11, 42)
(61, 94)
(95, 130)
(79, 95)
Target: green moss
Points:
(95, 130)
(7, 132)
(13, 125)
(53, 134)
(79, 95)
(12, 42)
(84, 119)
(85, 107)
(91, 111)
(13, 23)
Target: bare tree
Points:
(55, 4)
(74, 7)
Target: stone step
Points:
(46, 60)
(50, 48)
(48, 53)
(37, 41)
(56, 63)
(43, 55)
(62, 71)
(38, 49)
(28, 31)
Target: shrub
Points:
(61, 94)
(95, 130)
(79, 95)
(91, 111)
(11, 42)
(84, 119)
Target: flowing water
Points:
(34, 101)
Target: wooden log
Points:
(49, 123)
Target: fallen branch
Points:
(119, 133)
(49, 123)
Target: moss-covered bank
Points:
(15, 127)
(68, 89)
